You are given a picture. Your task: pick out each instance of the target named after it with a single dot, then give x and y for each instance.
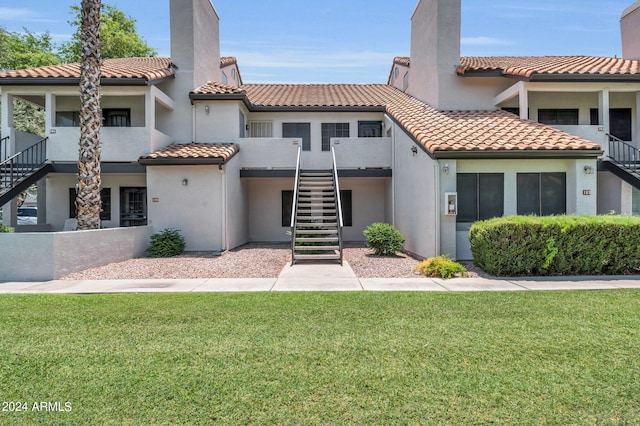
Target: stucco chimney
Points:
(435, 53)
(195, 39)
(630, 31)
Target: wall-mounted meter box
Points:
(451, 203)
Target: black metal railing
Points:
(624, 154)
(336, 189)
(16, 168)
(294, 208)
(4, 148)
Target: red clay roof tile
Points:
(148, 69)
(195, 151)
(527, 66)
(435, 130)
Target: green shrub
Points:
(384, 239)
(557, 245)
(5, 228)
(166, 243)
(440, 266)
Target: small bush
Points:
(5, 228)
(440, 267)
(384, 239)
(166, 243)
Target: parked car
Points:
(27, 216)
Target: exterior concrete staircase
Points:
(21, 170)
(316, 234)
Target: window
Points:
(561, 117)
(594, 116)
(298, 130)
(396, 72)
(105, 197)
(67, 119)
(542, 194)
(512, 110)
(133, 207)
(116, 117)
(333, 130)
(369, 129)
(346, 201)
(405, 81)
(480, 196)
(260, 129)
(225, 79)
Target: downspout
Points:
(393, 173)
(223, 205)
(437, 204)
(193, 123)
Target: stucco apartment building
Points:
(448, 141)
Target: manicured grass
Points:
(323, 358)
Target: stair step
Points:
(316, 256)
(316, 248)
(317, 239)
(317, 209)
(315, 174)
(315, 188)
(316, 217)
(317, 231)
(307, 204)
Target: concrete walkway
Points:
(321, 277)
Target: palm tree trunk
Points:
(88, 203)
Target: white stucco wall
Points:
(613, 194)
(57, 193)
(237, 212)
(369, 204)
(194, 209)
(416, 201)
(51, 255)
(630, 31)
(265, 209)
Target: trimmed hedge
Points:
(557, 245)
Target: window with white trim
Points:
(260, 129)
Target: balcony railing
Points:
(21, 165)
(624, 154)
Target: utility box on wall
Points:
(450, 203)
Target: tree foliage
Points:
(118, 36)
(26, 50)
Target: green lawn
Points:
(323, 358)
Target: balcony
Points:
(280, 153)
(118, 143)
(593, 133)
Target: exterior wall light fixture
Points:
(185, 182)
(414, 150)
(206, 109)
(588, 170)
(445, 169)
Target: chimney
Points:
(195, 40)
(630, 31)
(435, 53)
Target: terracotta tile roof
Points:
(529, 66)
(402, 60)
(225, 61)
(146, 69)
(190, 153)
(437, 131)
(215, 88)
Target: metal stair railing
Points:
(4, 148)
(336, 191)
(294, 208)
(624, 154)
(21, 165)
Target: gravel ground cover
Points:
(247, 261)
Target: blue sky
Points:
(353, 41)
